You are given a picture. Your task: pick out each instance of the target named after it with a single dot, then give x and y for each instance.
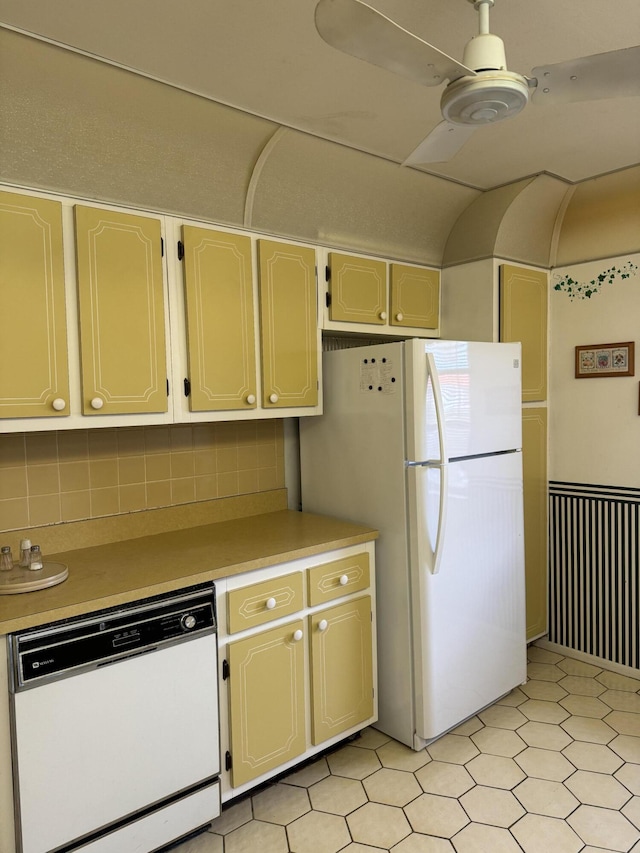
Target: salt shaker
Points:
(25, 553)
(6, 559)
(36, 558)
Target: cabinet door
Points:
(267, 701)
(415, 297)
(122, 329)
(358, 289)
(220, 320)
(341, 668)
(289, 329)
(523, 317)
(33, 345)
(534, 466)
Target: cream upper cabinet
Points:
(415, 297)
(218, 289)
(289, 345)
(34, 375)
(523, 317)
(373, 296)
(121, 310)
(357, 289)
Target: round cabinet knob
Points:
(251, 398)
(97, 403)
(344, 580)
(59, 404)
(297, 635)
(188, 621)
(270, 603)
(273, 398)
(323, 625)
(383, 315)
(399, 317)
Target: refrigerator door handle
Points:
(442, 517)
(432, 374)
(421, 498)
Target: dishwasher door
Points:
(93, 749)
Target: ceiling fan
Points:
(479, 90)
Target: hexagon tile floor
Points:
(554, 767)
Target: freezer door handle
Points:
(432, 375)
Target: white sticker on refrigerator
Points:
(378, 375)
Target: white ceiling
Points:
(267, 59)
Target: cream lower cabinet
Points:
(534, 464)
(298, 665)
(341, 675)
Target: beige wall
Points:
(53, 477)
(594, 423)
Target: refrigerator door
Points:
(468, 617)
(471, 390)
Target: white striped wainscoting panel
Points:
(594, 568)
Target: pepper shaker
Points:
(6, 559)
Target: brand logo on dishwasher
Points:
(38, 663)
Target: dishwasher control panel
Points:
(65, 648)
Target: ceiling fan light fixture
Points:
(489, 97)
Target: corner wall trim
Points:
(257, 172)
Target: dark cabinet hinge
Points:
(228, 763)
(187, 387)
(327, 299)
(327, 273)
(225, 670)
(162, 246)
(167, 387)
(180, 250)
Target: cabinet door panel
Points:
(289, 337)
(267, 700)
(358, 289)
(220, 320)
(523, 317)
(33, 345)
(534, 467)
(341, 668)
(415, 297)
(122, 333)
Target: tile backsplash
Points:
(52, 477)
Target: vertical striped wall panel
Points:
(594, 568)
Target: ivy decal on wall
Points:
(581, 290)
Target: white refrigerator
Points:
(422, 439)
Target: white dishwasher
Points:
(115, 733)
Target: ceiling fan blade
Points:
(359, 30)
(443, 143)
(604, 75)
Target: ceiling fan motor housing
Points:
(488, 97)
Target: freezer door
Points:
(469, 390)
(467, 590)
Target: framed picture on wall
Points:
(603, 360)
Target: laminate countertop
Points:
(121, 572)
